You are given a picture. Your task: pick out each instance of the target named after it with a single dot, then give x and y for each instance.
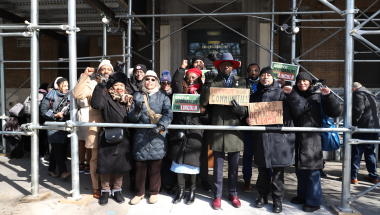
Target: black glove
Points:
(155, 131)
(103, 82)
(138, 107)
(212, 57)
(237, 109)
(119, 66)
(210, 76)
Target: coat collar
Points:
(219, 81)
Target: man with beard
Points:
(134, 81)
(83, 91)
(225, 141)
(197, 62)
(272, 149)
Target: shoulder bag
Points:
(330, 140)
(113, 135)
(154, 118)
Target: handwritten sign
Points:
(224, 96)
(266, 113)
(288, 72)
(188, 103)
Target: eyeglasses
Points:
(150, 79)
(165, 82)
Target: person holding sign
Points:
(186, 145)
(304, 100)
(271, 149)
(225, 141)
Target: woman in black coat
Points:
(186, 152)
(305, 105)
(113, 159)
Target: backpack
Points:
(330, 140)
(28, 102)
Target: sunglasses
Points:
(165, 82)
(150, 79)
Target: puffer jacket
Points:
(306, 112)
(145, 145)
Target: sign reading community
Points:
(188, 103)
(266, 113)
(288, 72)
(224, 96)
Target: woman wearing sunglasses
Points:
(150, 106)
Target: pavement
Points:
(15, 184)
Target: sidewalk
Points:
(15, 183)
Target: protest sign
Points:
(224, 96)
(266, 113)
(188, 103)
(288, 72)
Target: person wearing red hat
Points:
(225, 141)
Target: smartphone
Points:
(49, 113)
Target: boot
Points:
(104, 197)
(191, 198)
(118, 196)
(261, 201)
(247, 185)
(277, 206)
(181, 194)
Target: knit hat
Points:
(197, 57)
(118, 77)
(303, 76)
(105, 62)
(150, 73)
(195, 71)
(166, 76)
(267, 70)
(140, 67)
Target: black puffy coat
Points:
(188, 150)
(270, 148)
(306, 112)
(112, 159)
(365, 109)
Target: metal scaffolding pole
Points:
(123, 44)
(2, 80)
(272, 33)
(293, 54)
(34, 95)
(104, 39)
(129, 36)
(73, 109)
(153, 44)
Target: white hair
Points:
(142, 84)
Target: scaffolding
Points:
(353, 30)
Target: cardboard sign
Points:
(188, 103)
(288, 72)
(266, 113)
(224, 96)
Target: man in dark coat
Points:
(225, 141)
(365, 114)
(272, 149)
(133, 82)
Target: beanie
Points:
(267, 70)
(197, 57)
(195, 71)
(140, 67)
(105, 62)
(303, 76)
(166, 76)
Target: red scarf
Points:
(194, 88)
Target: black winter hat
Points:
(140, 67)
(118, 77)
(303, 76)
(267, 70)
(197, 57)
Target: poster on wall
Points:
(188, 103)
(266, 113)
(287, 72)
(224, 96)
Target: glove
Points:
(138, 107)
(212, 57)
(119, 66)
(155, 131)
(103, 82)
(210, 76)
(237, 109)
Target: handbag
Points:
(154, 117)
(17, 110)
(175, 135)
(330, 140)
(113, 135)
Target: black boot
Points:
(181, 194)
(105, 194)
(261, 201)
(277, 206)
(118, 196)
(191, 198)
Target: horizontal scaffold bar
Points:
(340, 61)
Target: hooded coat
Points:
(306, 111)
(271, 148)
(188, 150)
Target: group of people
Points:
(157, 157)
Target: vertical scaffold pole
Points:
(272, 33)
(34, 95)
(73, 109)
(153, 44)
(349, 73)
(123, 44)
(2, 80)
(129, 36)
(293, 54)
(104, 39)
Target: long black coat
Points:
(273, 149)
(111, 158)
(186, 151)
(306, 112)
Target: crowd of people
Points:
(160, 158)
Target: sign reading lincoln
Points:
(186, 103)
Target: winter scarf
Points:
(194, 88)
(228, 78)
(123, 99)
(52, 95)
